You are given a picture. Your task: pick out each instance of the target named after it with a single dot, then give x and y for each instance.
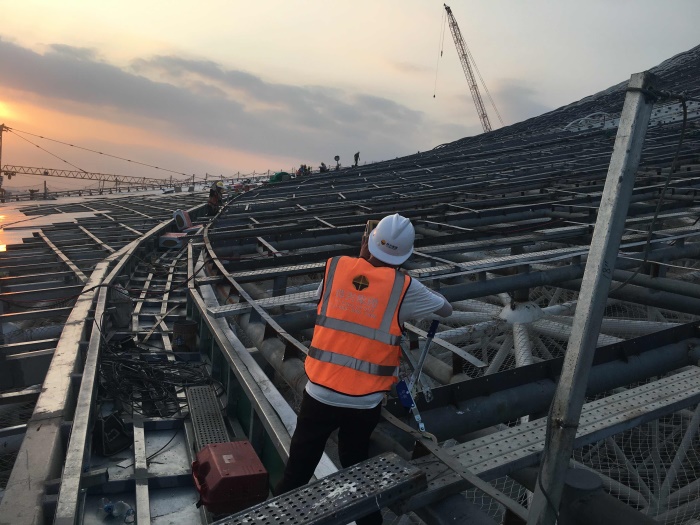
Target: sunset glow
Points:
(234, 86)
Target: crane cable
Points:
(488, 93)
(43, 149)
(93, 151)
(442, 47)
(200, 178)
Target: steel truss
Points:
(504, 226)
(503, 229)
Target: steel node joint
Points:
(561, 423)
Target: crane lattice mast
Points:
(464, 58)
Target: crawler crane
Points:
(463, 53)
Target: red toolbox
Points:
(229, 477)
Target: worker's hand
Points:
(364, 248)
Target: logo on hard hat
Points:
(388, 244)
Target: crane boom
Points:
(464, 59)
(68, 174)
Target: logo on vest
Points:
(360, 282)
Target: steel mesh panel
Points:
(207, 421)
(653, 467)
(7, 462)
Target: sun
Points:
(5, 111)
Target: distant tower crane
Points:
(124, 180)
(463, 53)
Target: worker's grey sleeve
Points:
(420, 302)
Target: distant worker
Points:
(354, 354)
(303, 170)
(323, 168)
(357, 158)
(216, 198)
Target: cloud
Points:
(409, 68)
(515, 102)
(210, 104)
(78, 53)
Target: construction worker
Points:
(354, 354)
(216, 197)
(357, 158)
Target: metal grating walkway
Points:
(229, 310)
(340, 497)
(504, 452)
(207, 421)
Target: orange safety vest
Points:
(355, 348)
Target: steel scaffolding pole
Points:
(569, 397)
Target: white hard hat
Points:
(392, 240)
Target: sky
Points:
(231, 87)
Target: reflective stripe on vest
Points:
(359, 329)
(351, 362)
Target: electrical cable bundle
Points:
(148, 384)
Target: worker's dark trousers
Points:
(315, 423)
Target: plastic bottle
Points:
(105, 508)
(120, 509)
